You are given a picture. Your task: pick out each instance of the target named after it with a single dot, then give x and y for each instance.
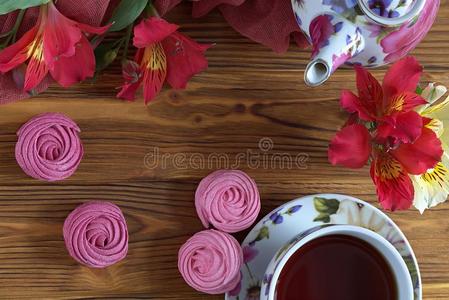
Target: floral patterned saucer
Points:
(300, 215)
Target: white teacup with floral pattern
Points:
(391, 255)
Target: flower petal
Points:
(352, 104)
(403, 127)
(422, 155)
(19, 52)
(436, 108)
(36, 69)
(71, 70)
(154, 65)
(431, 188)
(351, 147)
(370, 91)
(435, 125)
(132, 75)
(433, 93)
(393, 185)
(93, 29)
(60, 36)
(131, 71)
(403, 76)
(128, 91)
(441, 112)
(403, 102)
(185, 58)
(151, 31)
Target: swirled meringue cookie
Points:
(96, 235)
(228, 200)
(210, 262)
(48, 147)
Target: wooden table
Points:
(247, 94)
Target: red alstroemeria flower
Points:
(386, 103)
(389, 132)
(163, 55)
(55, 44)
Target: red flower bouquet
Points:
(55, 45)
(44, 40)
(397, 129)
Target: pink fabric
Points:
(270, 23)
(48, 147)
(11, 85)
(7, 22)
(96, 234)
(91, 12)
(210, 262)
(203, 7)
(227, 200)
(164, 6)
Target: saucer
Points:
(303, 214)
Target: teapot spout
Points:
(317, 72)
(335, 41)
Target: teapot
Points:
(369, 33)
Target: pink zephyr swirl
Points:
(96, 235)
(228, 200)
(210, 262)
(48, 147)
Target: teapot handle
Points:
(392, 22)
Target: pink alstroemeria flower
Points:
(163, 55)
(55, 45)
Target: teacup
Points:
(397, 266)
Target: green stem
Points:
(17, 25)
(11, 35)
(3, 35)
(151, 11)
(129, 31)
(118, 43)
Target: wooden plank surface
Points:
(247, 94)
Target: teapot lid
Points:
(391, 12)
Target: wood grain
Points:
(247, 94)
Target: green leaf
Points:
(7, 6)
(126, 13)
(419, 90)
(264, 233)
(322, 218)
(328, 206)
(105, 54)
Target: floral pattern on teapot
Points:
(340, 32)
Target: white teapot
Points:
(370, 33)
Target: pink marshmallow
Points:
(96, 235)
(228, 200)
(210, 262)
(48, 147)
